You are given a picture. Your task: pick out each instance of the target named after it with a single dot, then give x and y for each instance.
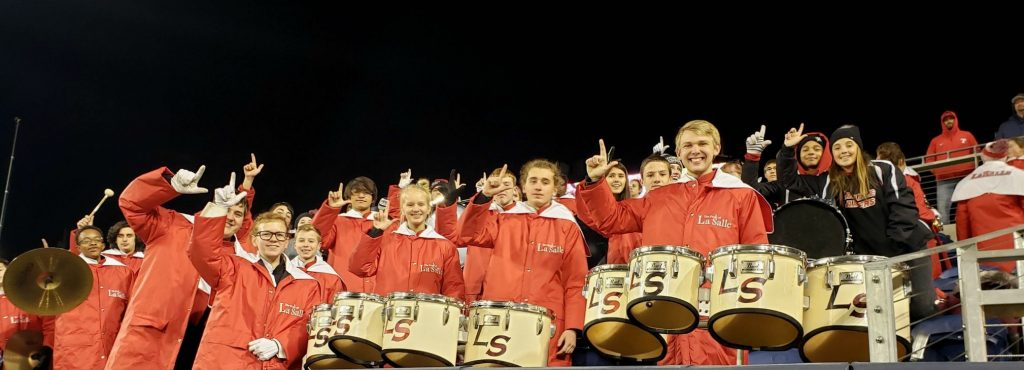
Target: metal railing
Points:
(882, 311)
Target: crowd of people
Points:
(224, 289)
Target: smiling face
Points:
(810, 154)
(845, 152)
(275, 231)
(697, 151)
(415, 204)
(236, 214)
(307, 244)
(617, 180)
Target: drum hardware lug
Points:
(388, 313)
(416, 311)
(708, 275)
(540, 326)
(476, 320)
(586, 288)
(600, 285)
(771, 266)
(828, 276)
(360, 310)
(552, 331)
(508, 317)
(675, 268)
(732, 266)
(807, 303)
(444, 321)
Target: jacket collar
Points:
(118, 252)
(106, 261)
(294, 271)
(318, 266)
(427, 233)
(555, 211)
(351, 213)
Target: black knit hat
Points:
(847, 132)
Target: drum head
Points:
(663, 314)
(414, 358)
(358, 350)
(620, 339)
(775, 331)
(842, 344)
(318, 362)
(812, 226)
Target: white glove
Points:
(756, 142)
(226, 196)
(264, 349)
(660, 148)
(187, 182)
(404, 179)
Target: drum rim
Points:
(686, 305)
(779, 249)
(315, 358)
(364, 341)
(608, 267)
(515, 306)
(675, 249)
(358, 295)
(858, 259)
(901, 340)
(490, 361)
(387, 360)
(429, 297)
(321, 307)
(657, 336)
(762, 311)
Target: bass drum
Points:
(812, 226)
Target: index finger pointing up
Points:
(604, 152)
(253, 157)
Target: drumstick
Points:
(106, 194)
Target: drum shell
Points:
(607, 328)
(507, 336)
(836, 322)
(670, 280)
(420, 333)
(358, 329)
(752, 294)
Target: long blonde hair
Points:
(858, 183)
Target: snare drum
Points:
(663, 282)
(508, 334)
(836, 322)
(607, 328)
(421, 330)
(359, 324)
(318, 353)
(757, 296)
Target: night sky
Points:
(109, 90)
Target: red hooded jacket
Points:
(949, 140)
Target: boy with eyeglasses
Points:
(262, 303)
(84, 336)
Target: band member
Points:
(307, 245)
(259, 315)
(168, 296)
(84, 336)
(341, 232)
(410, 256)
(991, 198)
(706, 210)
(477, 259)
(124, 246)
(538, 251)
(619, 245)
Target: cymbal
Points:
(47, 281)
(18, 354)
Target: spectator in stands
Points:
(733, 168)
(990, 199)
(769, 171)
(1015, 151)
(951, 143)
(635, 188)
(1014, 126)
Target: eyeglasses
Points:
(90, 241)
(267, 235)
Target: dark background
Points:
(323, 93)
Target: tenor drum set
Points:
(801, 291)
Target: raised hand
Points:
(481, 183)
(660, 148)
(187, 182)
(794, 136)
(336, 199)
(252, 169)
(381, 220)
(226, 196)
(404, 179)
(598, 165)
(494, 185)
(85, 221)
(756, 142)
